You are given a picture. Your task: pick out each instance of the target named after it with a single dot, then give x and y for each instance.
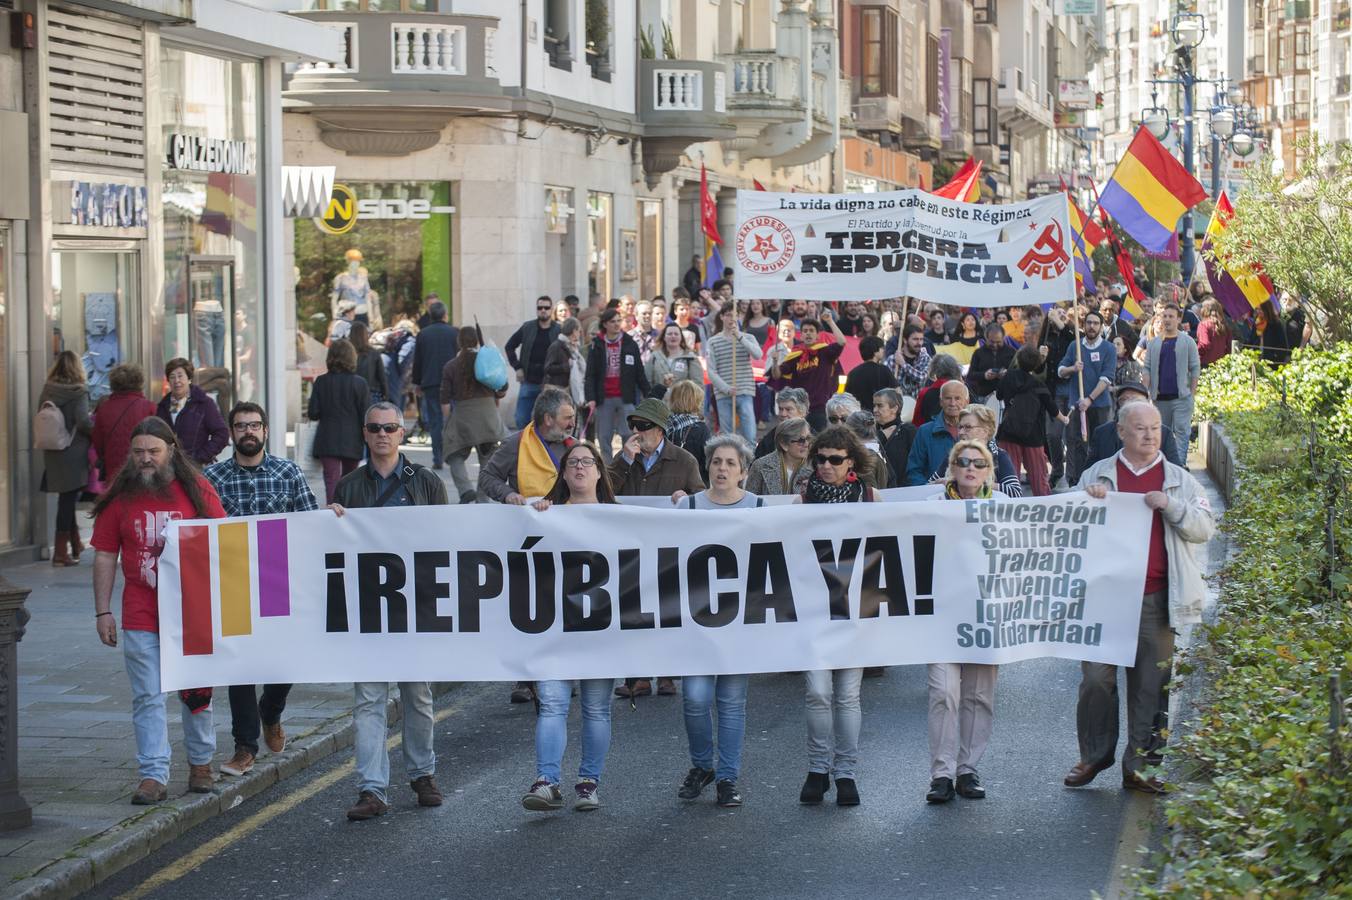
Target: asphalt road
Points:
(1030, 838)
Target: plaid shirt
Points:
(275, 485)
(910, 376)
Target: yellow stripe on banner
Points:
(1253, 289)
(1155, 199)
(232, 563)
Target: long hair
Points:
(67, 369)
(839, 436)
(1215, 313)
(662, 339)
(605, 493)
(185, 473)
(468, 344)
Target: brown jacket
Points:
(675, 470)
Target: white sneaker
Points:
(543, 797)
(587, 797)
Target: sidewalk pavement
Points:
(77, 750)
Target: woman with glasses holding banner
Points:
(962, 695)
(582, 479)
(833, 714)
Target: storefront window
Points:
(92, 293)
(382, 245)
(6, 429)
(598, 244)
(212, 310)
(560, 240)
(649, 248)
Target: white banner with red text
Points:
(902, 243)
(502, 593)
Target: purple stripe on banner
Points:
(1134, 220)
(274, 574)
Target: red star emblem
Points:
(765, 245)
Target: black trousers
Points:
(65, 509)
(248, 713)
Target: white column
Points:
(279, 343)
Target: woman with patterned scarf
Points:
(962, 695)
(833, 714)
(687, 428)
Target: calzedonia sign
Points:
(194, 153)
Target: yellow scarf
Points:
(535, 468)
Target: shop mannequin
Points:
(351, 284)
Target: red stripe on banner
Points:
(194, 568)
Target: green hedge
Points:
(1263, 809)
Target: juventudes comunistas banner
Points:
(902, 243)
(501, 593)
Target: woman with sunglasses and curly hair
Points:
(962, 695)
(833, 715)
(582, 479)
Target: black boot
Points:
(815, 788)
(847, 792)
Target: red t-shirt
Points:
(134, 526)
(612, 385)
(1152, 479)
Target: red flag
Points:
(965, 184)
(1092, 234)
(758, 185)
(708, 211)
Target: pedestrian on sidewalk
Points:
(435, 347)
(338, 400)
(833, 714)
(1174, 593)
(158, 485)
(388, 479)
(1173, 366)
(66, 471)
(581, 479)
(729, 462)
(194, 416)
(473, 422)
(962, 695)
(117, 415)
(253, 482)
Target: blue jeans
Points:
(551, 726)
(430, 404)
(746, 416)
(699, 695)
(370, 723)
(141, 653)
(210, 326)
(525, 403)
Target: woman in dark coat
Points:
(338, 402)
(370, 363)
(195, 417)
(66, 472)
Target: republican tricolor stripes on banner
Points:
(232, 575)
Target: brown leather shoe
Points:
(426, 789)
(1135, 781)
(368, 807)
(1082, 773)
(76, 545)
(149, 792)
(61, 550)
(200, 780)
(666, 687)
(274, 736)
(239, 764)
(642, 688)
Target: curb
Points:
(104, 855)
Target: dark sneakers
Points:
(728, 795)
(426, 789)
(815, 788)
(969, 786)
(941, 791)
(523, 692)
(368, 807)
(847, 792)
(695, 782)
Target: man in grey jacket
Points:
(1172, 369)
(1174, 595)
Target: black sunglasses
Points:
(837, 420)
(823, 459)
(641, 425)
(378, 427)
(964, 462)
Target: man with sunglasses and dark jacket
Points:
(388, 479)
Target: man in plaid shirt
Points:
(254, 482)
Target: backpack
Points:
(1022, 420)
(49, 428)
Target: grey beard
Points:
(153, 481)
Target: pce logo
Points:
(764, 245)
(1048, 257)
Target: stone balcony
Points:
(1024, 106)
(680, 102)
(782, 115)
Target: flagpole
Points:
(1079, 373)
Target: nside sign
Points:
(345, 209)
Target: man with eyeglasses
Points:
(534, 338)
(388, 479)
(649, 465)
(253, 482)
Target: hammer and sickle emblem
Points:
(1048, 258)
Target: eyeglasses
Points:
(801, 440)
(836, 420)
(544, 309)
(242, 427)
(378, 427)
(641, 425)
(823, 459)
(966, 462)
(581, 462)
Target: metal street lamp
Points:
(1242, 144)
(1157, 120)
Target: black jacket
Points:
(525, 338)
(1027, 405)
(866, 379)
(338, 402)
(361, 489)
(633, 380)
(897, 449)
(692, 281)
(436, 346)
(371, 366)
(983, 360)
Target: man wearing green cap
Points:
(648, 464)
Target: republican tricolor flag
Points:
(1240, 292)
(1082, 245)
(708, 220)
(1149, 191)
(965, 185)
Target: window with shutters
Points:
(96, 79)
(877, 52)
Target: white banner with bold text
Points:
(902, 243)
(503, 593)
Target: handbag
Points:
(490, 366)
